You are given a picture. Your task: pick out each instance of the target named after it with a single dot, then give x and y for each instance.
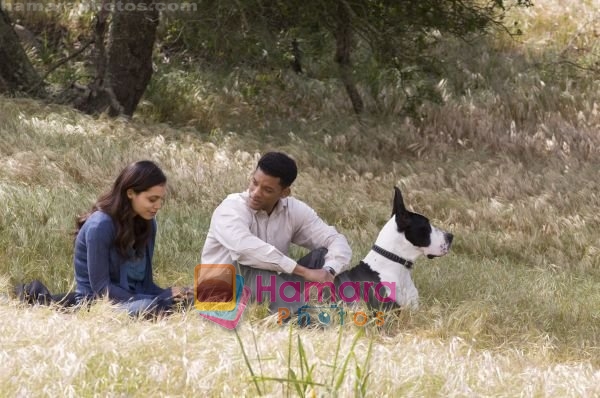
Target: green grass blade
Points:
(247, 362)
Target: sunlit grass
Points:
(508, 164)
(102, 352)
(517, 296)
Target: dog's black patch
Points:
(364, 273)
(416, 228)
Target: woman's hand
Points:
(182, 293)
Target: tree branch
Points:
(60, 63)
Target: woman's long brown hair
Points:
(132, 231)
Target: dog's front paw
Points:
(413, 305)
(408, 300)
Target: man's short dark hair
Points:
(278, 164)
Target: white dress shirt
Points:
(257, 239)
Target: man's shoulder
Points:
(238, 199)
(236, 196)
(295, 202)
(234, 203)
(297, 206)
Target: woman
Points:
(115, 244)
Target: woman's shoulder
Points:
(99, 220)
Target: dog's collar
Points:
(391, 256)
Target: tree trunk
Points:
(343, 41)
(16, 71)
(95, 97)
(129, 63)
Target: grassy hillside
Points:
(508, 163)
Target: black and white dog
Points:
(404, 238)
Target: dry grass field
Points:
(508, 163)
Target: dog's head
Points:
(416, 228)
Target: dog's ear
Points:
(398, 202)
(402, 216)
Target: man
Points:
(254, 229)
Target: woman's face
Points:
(147, 203)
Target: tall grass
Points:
(508, 164)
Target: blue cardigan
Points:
(97, 263)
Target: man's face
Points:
(265, 191)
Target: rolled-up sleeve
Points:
(312, 232)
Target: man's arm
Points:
(313, 233)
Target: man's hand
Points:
(322, 276)
(313, 275)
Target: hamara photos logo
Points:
(221, 297)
